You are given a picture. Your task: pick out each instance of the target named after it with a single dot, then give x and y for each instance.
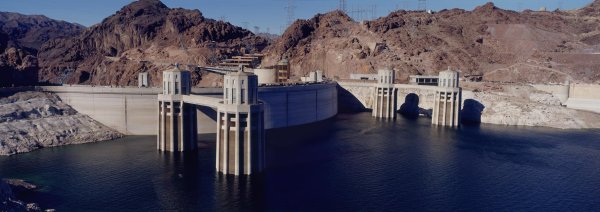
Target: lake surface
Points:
(351, 162)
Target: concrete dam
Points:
(133, 111)
(240, 113)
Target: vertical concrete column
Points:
(385, 95)
(448, 100)
(242, 126)
(445, 110)
(218, 153)
(176, 132)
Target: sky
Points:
(268, 15)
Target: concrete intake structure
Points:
(240, 120)
(177, 130)
(448, 99)
(384, 105)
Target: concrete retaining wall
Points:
(584, 97)
(360, 94)
(575, 96)
(133, 110)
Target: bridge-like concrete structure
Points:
(445, 99)
(240, 120)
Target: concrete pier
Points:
(240, 120)
(177, 129)
(241, 131)
(448, 99)
(384, 104)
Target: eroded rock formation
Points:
(33, 120)
(21, 36)
(147, 36)
(501, 45)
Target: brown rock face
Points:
(17, 66)
(31, 31)
(500, 44)
(21, 36)
(147, 36)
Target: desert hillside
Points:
(21, 36)
(147, 36)
(499, 44)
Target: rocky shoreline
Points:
(10, 189)
(34, 120)
(522, 105)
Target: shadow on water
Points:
(501, 143)
(410, 108)
(471, 112)
(348, 103)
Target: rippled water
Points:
(352, 162)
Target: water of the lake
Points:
(352, 162)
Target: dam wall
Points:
(584, 97)
(575, 96)
(355, 96)
(133, 111)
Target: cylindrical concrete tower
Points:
(177, 127)
(384, 105)
(240, 134)
(448, 100)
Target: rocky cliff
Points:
(21, 36)
(33, 120)
(143, 36)
(499, 44)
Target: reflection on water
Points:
(353, 162)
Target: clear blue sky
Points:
(262, 13)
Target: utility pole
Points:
(422, 5)
(405, 5)
(290, 12)
(256, 29)
(373, 11)
(560, 5)
(342, 6)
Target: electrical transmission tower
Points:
(342, 6)
(422, 5)
(256, 29)
(290, 12)
(560, 5)
(373, 11)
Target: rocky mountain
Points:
(29, 32)
(144, 36)
(21, 36)
(499, 44)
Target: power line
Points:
(342, 6)
(290, 12)
(422, 5)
